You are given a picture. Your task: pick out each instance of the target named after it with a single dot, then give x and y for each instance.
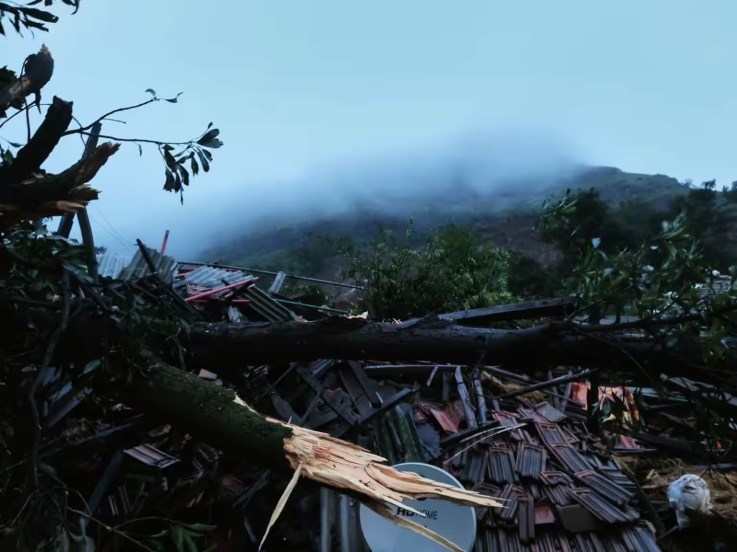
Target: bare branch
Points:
(83, 129)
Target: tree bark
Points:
(31, 156)
(54, 194)
(210, 413)
(233, 346)
(219, 417)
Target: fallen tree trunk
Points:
(216, 415)
(232, 346)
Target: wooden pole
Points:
(166, 239)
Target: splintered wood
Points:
(346, 466)
(67, 192)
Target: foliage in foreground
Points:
(29, 17)
(663, 290)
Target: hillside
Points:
(504, 214)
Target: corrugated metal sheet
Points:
(266, 306)
(110, 266)
(261, 302)
(138, 267)
(212, 277)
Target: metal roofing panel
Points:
(110, 266)
(209, 276)
(267, 307)
(139, 268)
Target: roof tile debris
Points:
(562, 493)
(531, 460)
(558, 494)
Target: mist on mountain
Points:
(493, 171)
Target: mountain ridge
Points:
(505, 214)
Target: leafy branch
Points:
(193, 153)
(28, 18)
(192, 156)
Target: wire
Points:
(110, 229)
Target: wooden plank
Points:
(284, 409)
(369, 386)
(347, 415)
(354, 389)
(471, 421)
(394, 400)
(516, 311)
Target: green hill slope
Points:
(505, 215)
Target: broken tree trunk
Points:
(31, 156)
(232, 346)
(26, 192)
(217, 416)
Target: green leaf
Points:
(177, 535)
(169, 184)
(213, 144)
(210, 139)
(41, 15)
(200, 527)
(185, 174)
(190, 542)
(169, 159)
(203, 160)
(174, 99)
(151, 91)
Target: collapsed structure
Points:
(129, 426)
(500, 433)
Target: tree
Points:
(454, 270)
(53, 309)
(709, 222)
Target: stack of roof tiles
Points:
(562, 493)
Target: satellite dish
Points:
(454, 522)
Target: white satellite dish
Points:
(454, 522)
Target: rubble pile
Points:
(530, 442)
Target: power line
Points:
(110, 229)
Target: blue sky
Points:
(299, 86)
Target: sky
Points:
(300, 87)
